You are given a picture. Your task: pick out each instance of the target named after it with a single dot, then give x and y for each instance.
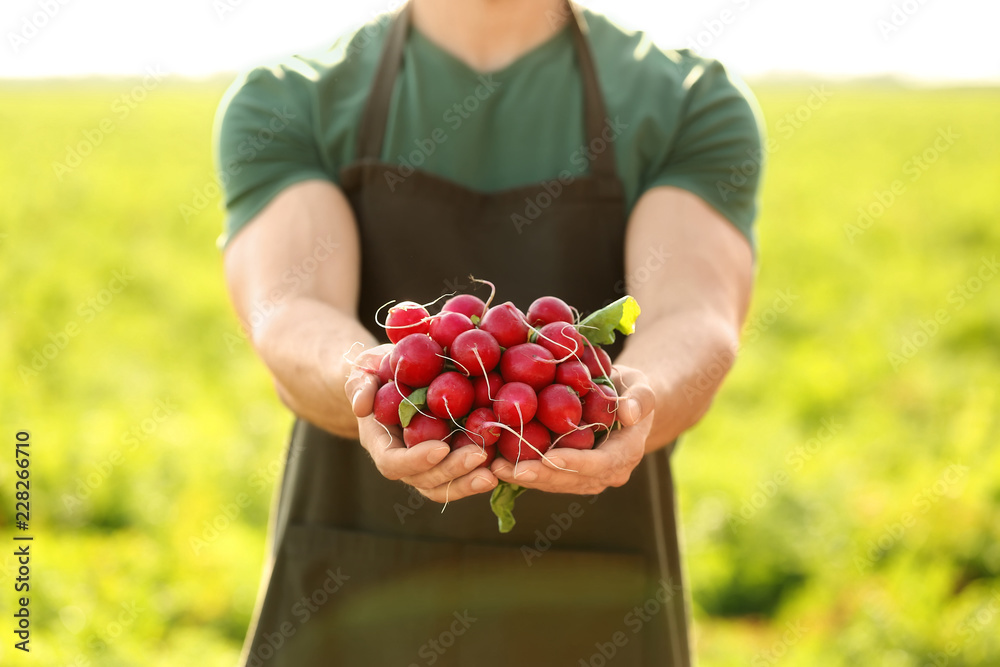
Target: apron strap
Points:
(371, 131)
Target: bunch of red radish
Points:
(495, 377)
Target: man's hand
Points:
(430, 467)
(610, 463)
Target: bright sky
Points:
(938, 40)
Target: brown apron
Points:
(364, 571)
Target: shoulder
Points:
(299, 82)
(631, 64)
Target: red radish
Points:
(387, 400)
(445, 326)
(506, 323)
(482, 425)
(597, 360)
(476, 352)
(515, 404)
(466, 304)
(529, 363)
(450, 395)
(486, 388)
(561, 339)
(599, 407)
(416, 360)
(536, 441)
(574, 374)
(385, 370)
(404, 319)
(423, 428)
(559, 408)
(582, 438)
(547, 309)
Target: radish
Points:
(527, 445)
(580, 438)
(559, 408)
(446, 325)
(450, 395)
(423, 428)
(575, 374)
(529, 363)
(599, 407)
(506, 323)
(481, 426)
(466, 304)
(404, 319)
(416, 360)
(486, 388)
(561, 339)
(476, 352)
(597, 360)
(515, 404)
(548, 309)
(385, 370)
(387, 400)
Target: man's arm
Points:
(691, 272)
(293, 276)
(694, 300)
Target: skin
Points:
(315, 348)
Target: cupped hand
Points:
(610, 463)
(430, 467)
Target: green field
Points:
(841, 502)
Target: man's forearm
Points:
(303, 343)
(685, 357)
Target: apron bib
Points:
(364, 571)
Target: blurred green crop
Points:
(841, 502)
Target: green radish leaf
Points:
(411, 404)
(599, 327)
(475, 319)
(502, 504)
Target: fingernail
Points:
(354, 398)
(481, 484)
(437, 454)
(634, 410)
(475, 458)
(558, 463)
(527, 476)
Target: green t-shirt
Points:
(677, 119)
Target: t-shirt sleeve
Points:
(264, 143)
(717, 149)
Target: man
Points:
(541, 147)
